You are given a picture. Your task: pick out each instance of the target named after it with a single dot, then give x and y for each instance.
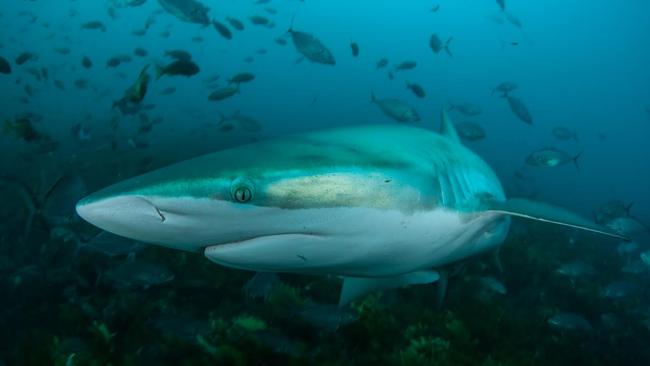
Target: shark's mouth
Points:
(272, 253)
(244, 241)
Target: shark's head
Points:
(258, 190)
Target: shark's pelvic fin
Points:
(540, 211)
(441, 290)
(447, 127)
(354, 287)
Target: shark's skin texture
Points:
(369, 201)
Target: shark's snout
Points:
(130, 216)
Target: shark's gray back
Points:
(446, 173)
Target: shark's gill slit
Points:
(162, 217)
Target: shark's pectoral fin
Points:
(540, 211)
(354, 287)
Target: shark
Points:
(381, 206)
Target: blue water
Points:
(578, 64)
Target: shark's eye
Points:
(242, 194)
(242, 190)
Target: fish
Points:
(406, 65)
(635, 267)
(223, 93)
(564, 134)
(467, 109)
(81, 83)
(630, 227)
(242, 77)
(436, 44)
(551, 158)
(396, 109)
(62, 50)
(354, 47)
(179, 55)
(28, 90)
(645, 257)
(238, 120)
(493, 285)
(23, 128)
(619, 290)
(514, 21)
(416, 89)
(505, 87)
(575, 269)
(383, 62)
(81, 133)
(211, 79)
(626, 248)
(134, 94)
(502, 4)
(35, 72)
(519, 109)
(59, 84)
(281, 41)
(235, 23)
(86, 62)
(470, 131)
(611, 210)
(94, 25)
(178, 68)
(26, 57)
(570, 322)
(222, 29)
(409, 199)
(327, 317)
(279, 343)
(168, 91)
(311, 48)
(137, 274)
(261, 285)
(140, 52)
(259, 20)
(117, 60)
(191, 11)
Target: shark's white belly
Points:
(352, 241)
(365, 242)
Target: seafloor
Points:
(59, 308)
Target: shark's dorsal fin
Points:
(447, 127)
(540, 211)
(354, 287)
